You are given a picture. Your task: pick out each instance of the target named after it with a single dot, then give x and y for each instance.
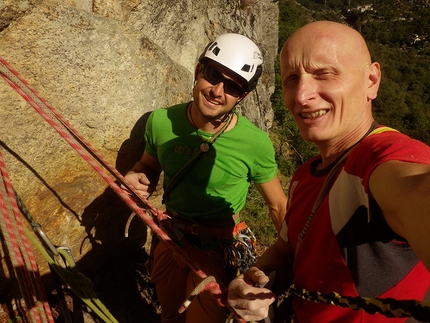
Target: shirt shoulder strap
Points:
(381, 130)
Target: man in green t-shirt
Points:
(209, 155)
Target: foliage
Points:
(256, 216)
(397, 35)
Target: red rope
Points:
(23, 258)
(78, 143)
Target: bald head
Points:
(339, 39)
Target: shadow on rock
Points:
(116, 264)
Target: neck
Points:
(331, 151)
(200, 122)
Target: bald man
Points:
(358, 218)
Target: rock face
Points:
(104, 64)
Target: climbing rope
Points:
(78, 282)
(94, 159)
(20, 252)
(388, 307)
(205, 284)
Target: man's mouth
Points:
(313, 114)
(212, 101)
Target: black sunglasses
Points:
(213, 76)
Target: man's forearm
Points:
(279, 257)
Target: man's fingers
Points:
(143, 179)
(254, 305)
(248, 301)
(261, 296)
(255, 276)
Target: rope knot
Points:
(81, 282)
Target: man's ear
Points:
(197, 71)
(374, 80)
(242, 97)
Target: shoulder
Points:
(167, 114)
(244, 125)
(392, 145)
(178, 108)
(380, 148)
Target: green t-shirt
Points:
(217, 184)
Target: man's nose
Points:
(305, 90)
(218, 89)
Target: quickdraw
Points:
(241, 255)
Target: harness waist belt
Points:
(205, 230)
(195, 229)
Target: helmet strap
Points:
(227, 115)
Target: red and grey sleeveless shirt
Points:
(348, 247)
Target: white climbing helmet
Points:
(239, 54)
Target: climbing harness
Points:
(94, 159)
(237, 243)
(239, 254)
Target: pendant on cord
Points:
(204, 147)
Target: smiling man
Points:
(209, 155)
(358, 213)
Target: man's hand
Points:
(144, 176)
(249, 302)
(139, 182)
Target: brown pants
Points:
(174, 282)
